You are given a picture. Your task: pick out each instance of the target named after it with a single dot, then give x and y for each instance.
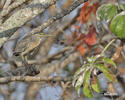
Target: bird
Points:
(27, 44)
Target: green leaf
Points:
(111, 12)
(77, 88)
(107, 72)
(117, 25)
(79, 71)
(87, 91)
(79, 83)
(121, 7)
(95, 84)
(78, 80)
(107, 11)
(109, 61)
(74, 81)
(87, 75)
(91, 59)
(86, 86)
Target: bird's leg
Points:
(22, 58)
(30, 68)
(24, 61)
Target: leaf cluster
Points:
(87, 77)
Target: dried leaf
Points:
(117, 54)
(83, 13)
(81, 49)
(91, 37)
(111, 88)
(86, 11)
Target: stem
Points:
(102, 53)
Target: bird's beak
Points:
(45, 35)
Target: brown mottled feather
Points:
(27, 44)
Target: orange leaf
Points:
(111, 88)
(83, 13)
(116, 55)
(91, 37)
(81, 49)
(95, 6)
(86, 11)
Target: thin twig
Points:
(48, 58)
(56, 68)
(102, 53)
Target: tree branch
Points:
(7, 10)
(58, 16)
(28, 70)
(20, 18)
(6, 80)
(59, 65)
(50, 57)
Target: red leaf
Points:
(95, 6)
(81, 49)
(86, 11)
(83, 12)
(91, 37)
